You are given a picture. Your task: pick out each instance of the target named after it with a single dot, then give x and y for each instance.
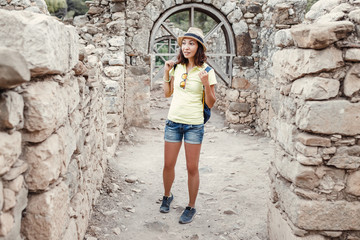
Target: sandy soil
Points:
(234, 186)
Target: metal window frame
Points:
(222, 22)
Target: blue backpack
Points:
(206, 109)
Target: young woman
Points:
(186, 82)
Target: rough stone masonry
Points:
(68, 93)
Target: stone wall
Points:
(53, 129)
(315, 109)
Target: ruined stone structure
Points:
(69, 92)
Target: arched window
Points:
(175, 22)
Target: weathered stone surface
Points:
(13, 68)
(80, 69)
(353, 183)
(1, 195)
(46, 214)
(306, 150)
(10, 149)
(293, 171)
(71, 231)
(240, 83)
(346, 157)
(239, 107)
(9, 199)
(290, 64)
(279, 228)
(319, 215)
(18, 168)
(313, 140)
(235, 15)
(41, 117)
(320, 8)
(6, 223)
(331, 117)
(284, 134)
(67, 139)
(231, 117)
(45, 161)
(113, 71)
(320, 35)
(11, 110)
(243, 45)
(232, 95)
(352, 80)
(308, 160)
(283, 38)
(16, 184)
(330, 179)
(316, 88)
(352, 54)
(57, 53)
(355, 15)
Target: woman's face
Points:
(189, 47)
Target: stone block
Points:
(243, 45)
(11, 110)
(239, 107)
(312, 215)
(308, 160)
(352, 80)
(313, 140)
(45, 110)
(9, 199)
(302, 176)
(48, 46)
(331, 179)
(283, 38)
(285, 134)
(71, 231)
(13, 68)
(46, 214)
(240, 83)
(6, 223)
(279, 227)
(290, 64)
(354, 15)
(18, 168)
(306, 150)
(330, 117)
(232, 95)
(320, 35)
(316, 88)
(1, 195)
(352, 54)
(15, 184)
(45, 161)
(231, 117)
(10, 149)
(353, 183)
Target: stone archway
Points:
(221, 59)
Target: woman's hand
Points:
(204, 77)
(168, 65)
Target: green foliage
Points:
(201, 20)
(309, 4)
(70, 8)
(55, 5)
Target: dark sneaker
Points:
(188, 215)
(165, 205)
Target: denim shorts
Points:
(175, 132)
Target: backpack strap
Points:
(208, 69)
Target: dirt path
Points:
(234, 187)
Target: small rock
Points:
(229, 212)
(107, 213)
(117, 231)
(91, 238)
(230, 189)
(129, 209)
(130, 179)
(136, 190)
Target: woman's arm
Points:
(210, 97)
(168, 81)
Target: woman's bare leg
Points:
(171, 151)
(192, 153)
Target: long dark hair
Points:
(200, 57)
